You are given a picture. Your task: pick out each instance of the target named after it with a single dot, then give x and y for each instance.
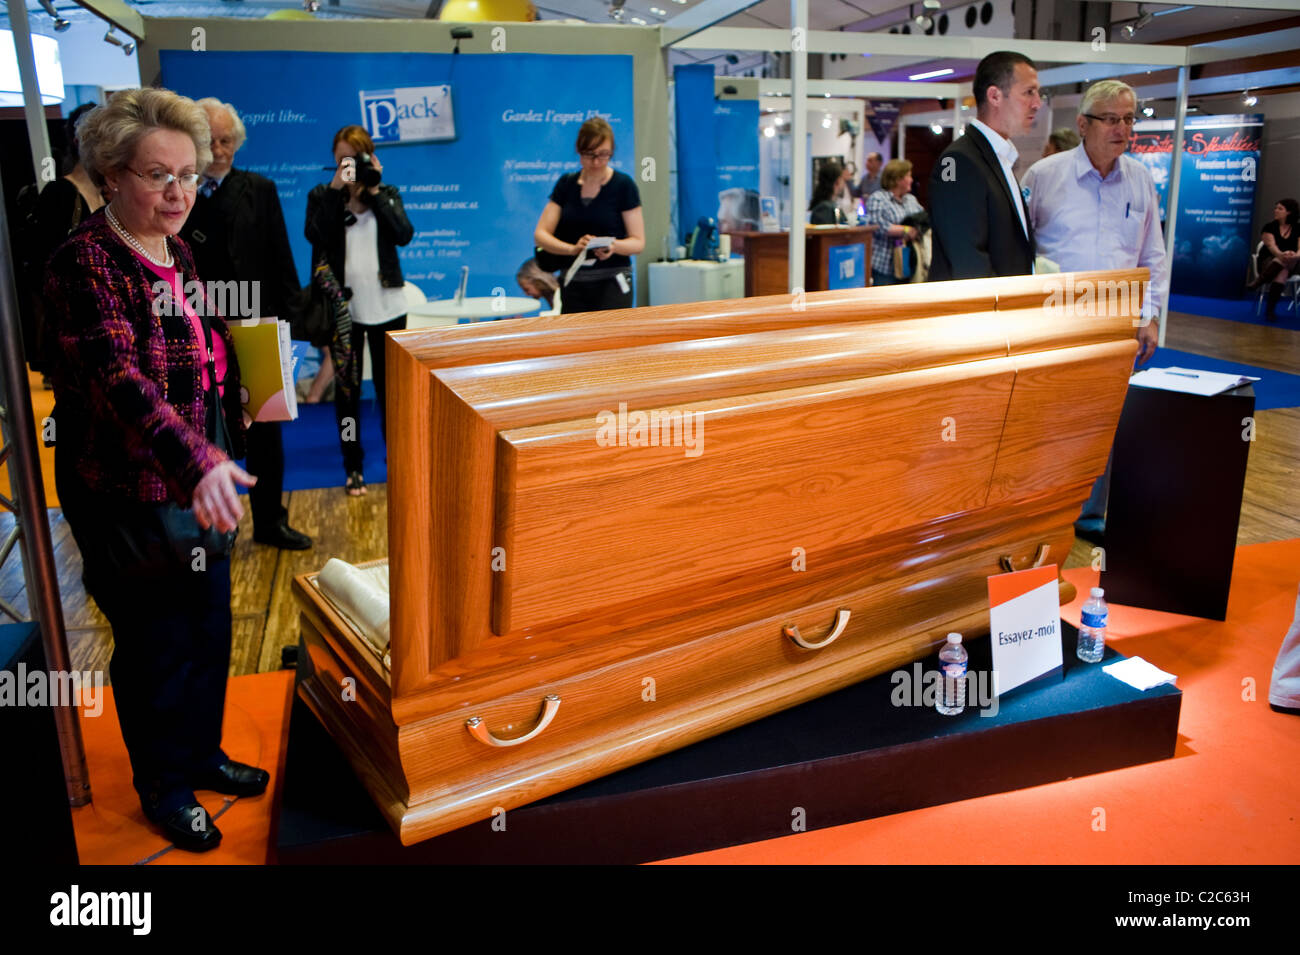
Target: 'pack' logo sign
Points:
(408, 114)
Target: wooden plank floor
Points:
(355, 529)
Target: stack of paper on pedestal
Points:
(1139, 674)
(1191, 381)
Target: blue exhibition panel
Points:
(473, 196)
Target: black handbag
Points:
(311, 317)
(551, 261)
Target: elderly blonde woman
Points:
(886, 209)
(148, 423)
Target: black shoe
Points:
(1279, 708)
(191, 828)
(283, 536)
(234, 779)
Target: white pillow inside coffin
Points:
(361, 594)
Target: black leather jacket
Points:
(325, 230)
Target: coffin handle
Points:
(478, 728)
(1040, 558)
(841, 621)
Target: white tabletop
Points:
(469, 309)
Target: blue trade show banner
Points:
(846, 266)
(735, 128)
(474, 179)
(1213, 237)
(717, 154)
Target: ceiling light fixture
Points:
(826, 121)
(931, 75)
(127, 46)
(1143, 18)
(60, 24)
(1248, 98)
(1148, 111)
(936, 128)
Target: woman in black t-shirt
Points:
(1277, 260)
(595, 202)
(824, 209)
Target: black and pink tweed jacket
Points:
(129, 400)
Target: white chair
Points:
(1252, 274)
(414, 296)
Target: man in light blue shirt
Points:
(1093, 207)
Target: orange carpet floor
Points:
(42, 406)
(112, 829)
(1228, 796)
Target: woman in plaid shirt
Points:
(886, 209)
(138, 426)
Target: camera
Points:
(367, 174)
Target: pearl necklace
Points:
(135, 243)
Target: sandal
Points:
(356, 485)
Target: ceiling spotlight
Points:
(127, 46)
(936, 128)
(1249, 99)
(922, 22)
(1148, 111)
(659, 11)
(1132, 27)
(616, 10)
(769, 131)
(639, 21)
(60, 24)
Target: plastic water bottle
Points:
(1092, 628)
(952, 664)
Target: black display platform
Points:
(35, 800)
(1177, 480)
(848, 756)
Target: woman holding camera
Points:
(355, 224)
(595, 202)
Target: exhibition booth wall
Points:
(475, 178)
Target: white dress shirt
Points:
(371, 303)
(1082, 221)
(1007, 155)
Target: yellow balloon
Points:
(289, 13)
(476, 11)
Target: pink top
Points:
(169, 275)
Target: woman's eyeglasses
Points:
(603, 155)
(159, 179)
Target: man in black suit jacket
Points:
(978, 215)
(236, 230)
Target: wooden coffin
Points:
(567, 601)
